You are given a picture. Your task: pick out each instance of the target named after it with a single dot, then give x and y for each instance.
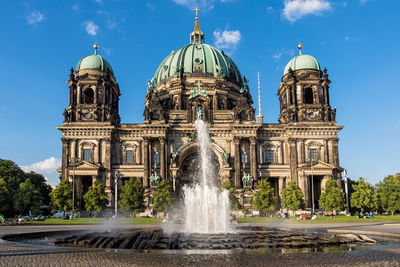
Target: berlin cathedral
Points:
(198, 81)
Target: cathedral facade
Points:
(198, 81)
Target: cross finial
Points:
(197, 12)
(95, 46)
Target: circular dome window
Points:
(165, 67)
(198, 60)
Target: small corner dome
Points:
(302, 62)
(94, 62)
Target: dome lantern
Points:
(197, 36)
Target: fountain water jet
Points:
(206, 209)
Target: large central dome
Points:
(197, 59)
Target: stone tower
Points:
(304, 91)
(94, 92)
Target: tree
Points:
(28, 198)
(40, 182)
(388, 193)
(164, 196)
(132, 197)
(227, 185)
(13, 176)
(4, 197)
(292, 197)
(95, 198)
(363, 197)
(264, 198)
(61, 197)
(332, 198)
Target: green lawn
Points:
(338, 219)
(96, 221)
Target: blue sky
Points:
(357, 40)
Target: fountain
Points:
(206, 209)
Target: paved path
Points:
(15, 254)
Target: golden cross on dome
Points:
(95, 46)
(197, 12)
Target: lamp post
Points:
(346, 189)
(74, 161)
(117, 175)
(312, 162)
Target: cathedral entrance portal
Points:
(190, 170)
(314, 184)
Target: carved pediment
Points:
(319, 165)
(87, 166)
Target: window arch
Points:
(88, 96)
(308, 96)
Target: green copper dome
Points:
(197, 58)
(94, 62)
(302, 62)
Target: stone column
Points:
(107, 166)
(96, 153)
(64, 162)
(253, 158)
(145, 162)
(286, 150)
(99, 148)
(300, 93)
(323, 182)
(282, 185)
(293, 162)
(73, 148)
(237, 182)
(335, 152)
(162, 158)
(323, 153)
(330, 151)
(139, 159)
(78, 95)
(301, 151)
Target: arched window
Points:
(87, 154)
(270, 156)
(313, 156)
(308, 96)
(130, 156)
(88, 96)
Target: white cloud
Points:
(287, 52)
(270, 9)
(46, 166)
(107, 51)
(204, 5)
(151, 6)
(227, 39)
(76, 7)
(277, 55)
(91, 27)
(98, 1)
(296, 9)
(35, 17)
(362, 2)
